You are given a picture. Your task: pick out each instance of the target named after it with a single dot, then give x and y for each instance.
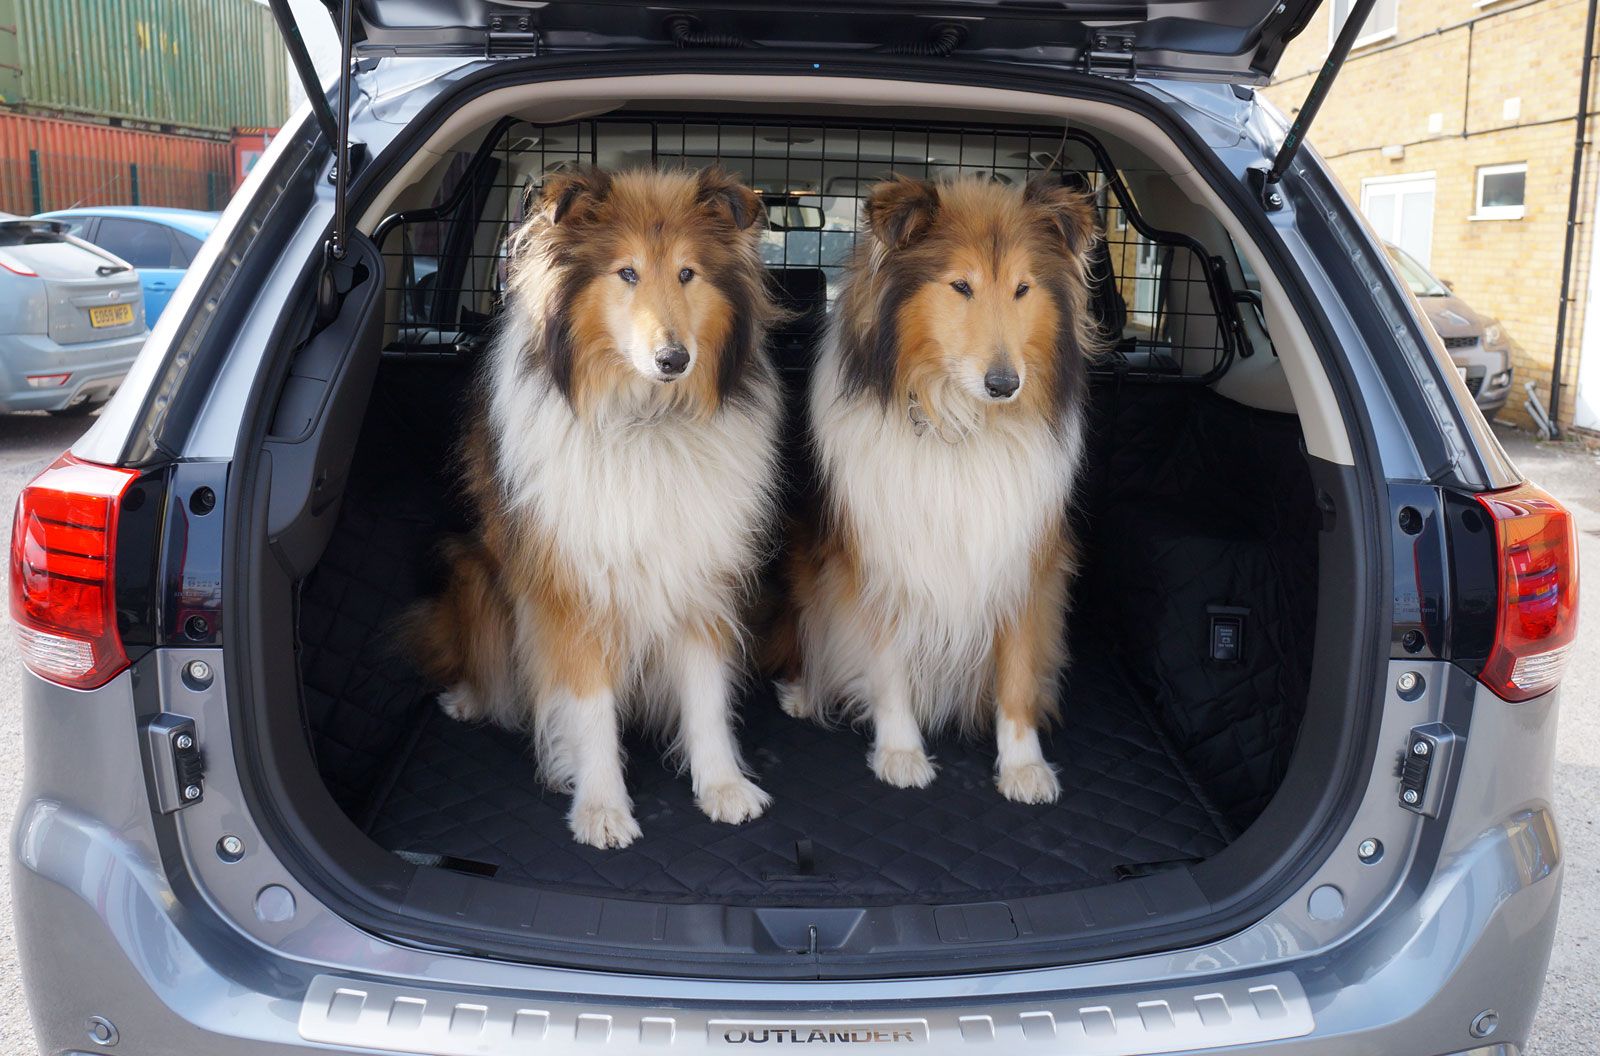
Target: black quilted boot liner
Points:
(469, 792)
(1188, 501)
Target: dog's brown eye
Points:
(629, 276)
(961, 287)
(1022, 288)
(685, 275)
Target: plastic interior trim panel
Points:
(258, 681)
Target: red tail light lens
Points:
(63, 549)
(1538, 615)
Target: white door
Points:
(1400, 210)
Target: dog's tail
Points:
(461, 640)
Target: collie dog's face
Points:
(977, 294)
(648, 277)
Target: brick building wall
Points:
(1438, 88)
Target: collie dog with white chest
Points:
(946, 414)
(622, 468)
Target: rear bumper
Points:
(94, 369)
(1488, 376)
(102, 934)
(137, 920)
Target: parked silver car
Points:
(71, 319)
(1478, 345)
(1319, 627)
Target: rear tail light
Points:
(47, 381)
(1537, 618)
(63, 547)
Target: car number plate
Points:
(111, 315)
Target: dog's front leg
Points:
(898, 757)
(1028, 654)
(602, 813)
(700, 677)
(577, 726)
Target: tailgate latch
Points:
(176, 768)
(1426, 767)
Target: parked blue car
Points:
(158, 242)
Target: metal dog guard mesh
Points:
(1164, 303)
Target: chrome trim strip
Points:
(369, 1015)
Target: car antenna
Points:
(1266, 180)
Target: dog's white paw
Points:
(903, 767)
(603, 825)
(459, 703)
(1029, 783)
(733, 801)
(795, 701)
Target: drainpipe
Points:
(1572, 220)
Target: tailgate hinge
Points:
(1110, 54)
(510, 34)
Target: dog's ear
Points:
(1069, 212)
(572, 193)
(725, 195)
(900, 210)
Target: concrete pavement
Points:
(1569, 1019)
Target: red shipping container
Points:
(248, 146)
(51, 163)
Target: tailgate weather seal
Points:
(372, 1015)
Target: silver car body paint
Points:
(46, 329)
(1430, 937)
(138, 919)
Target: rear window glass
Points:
(144, 245)
(26, 234)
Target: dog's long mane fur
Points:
(624, 512)
(933, 535)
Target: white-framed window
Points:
(1502, 192)
(1400, 210)
(1380, 25)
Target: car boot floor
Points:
(834, 833)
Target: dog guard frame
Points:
(1166, 306)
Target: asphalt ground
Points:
(1569, 1017)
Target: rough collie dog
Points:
(946, 413)
(622, 467)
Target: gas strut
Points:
(302, 66)
(1353, 23)
(341, 163)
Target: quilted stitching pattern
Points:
(1163, 757)
(470, 792)
(1203, 502)
(361, 698)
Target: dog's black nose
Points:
(672, 360)
(1001, 382)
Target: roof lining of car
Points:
(566, 101)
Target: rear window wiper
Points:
(111, 269)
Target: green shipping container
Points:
(211, 64)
